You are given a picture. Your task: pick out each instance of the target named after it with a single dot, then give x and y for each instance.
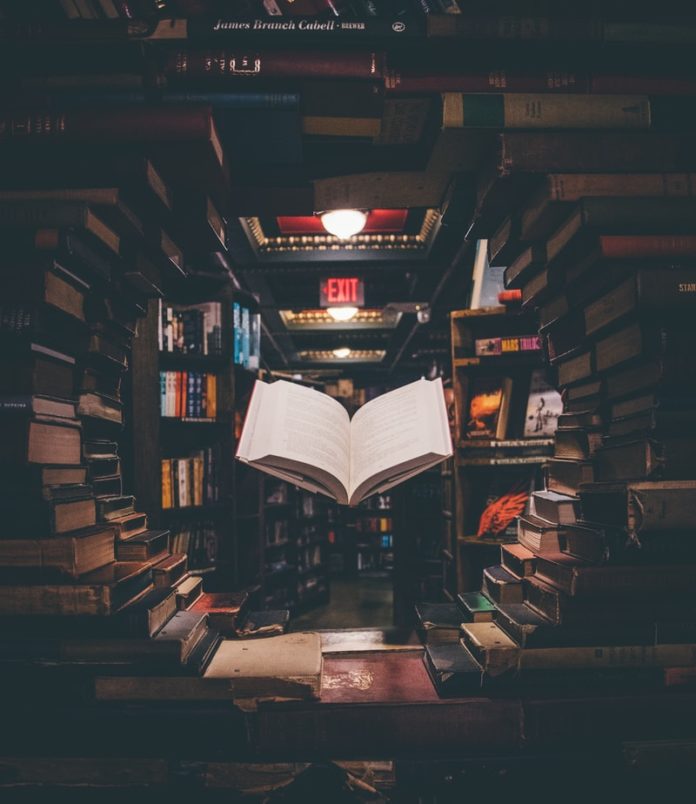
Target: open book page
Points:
(300, 435)
(397, 435)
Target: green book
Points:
(476, 607)
(541, 110)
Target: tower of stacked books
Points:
(82, 577)
(601, 583)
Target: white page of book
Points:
(303, 425)
(399, 427)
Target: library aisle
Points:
(347, 400)
(359, 603)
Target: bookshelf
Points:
(502, 431)
(282, 541)
(185, 389)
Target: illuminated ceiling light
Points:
(342, 313)
(344, 223)
(342, 353)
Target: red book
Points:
(250, 64)
(647, 246)
(137, 123)
(642, 85)
(379, 677)
(402, 81)
(510, 296)
(223, 609)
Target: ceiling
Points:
(316, 142)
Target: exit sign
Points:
(341, 290)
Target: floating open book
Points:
(307, 438)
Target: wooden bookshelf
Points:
(282, 541)
(484, 467)
(212, 541)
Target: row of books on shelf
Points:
(376, 502)
(188, 395)
(375, 560)
(384, 541)
(194, 329)
(247, 337)
(192, 480)
(199, 541)
(374, 524)
(281, 493)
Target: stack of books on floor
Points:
(601, 585)
(83, 578)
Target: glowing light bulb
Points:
(342, 353)
(344, 223)
(342, 313)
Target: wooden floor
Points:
(355, 603)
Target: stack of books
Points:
(83, 578)
(602, 580)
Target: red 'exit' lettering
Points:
(342, 290)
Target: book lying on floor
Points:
(307, 438)
(287, 666)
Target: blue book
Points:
(245, 338)
(237, 331)
(163, 392)
(254, 341)
(220, 100)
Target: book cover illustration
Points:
(544, 406)
(502, 509)
(485, 405)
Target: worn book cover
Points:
(287, 666)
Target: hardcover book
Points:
(287, 666)
(475, 607)
(501, 586)
(453, 670)
(641, 507)
(438, 622)
(307, 438)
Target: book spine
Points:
(647, 246)
(516, 28)
(183, 482)
(642, 85)
(538, 152)
(306, 28)
(250, 64)
(545, 111)
(42, 214)
(222, 100)
(659, 508)
(166, 483)
(199, 394)
(608, 656)
(170, 123)
(79, 30)
(190, 407)
(15, 404)
(404, 82)
(574, 186)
